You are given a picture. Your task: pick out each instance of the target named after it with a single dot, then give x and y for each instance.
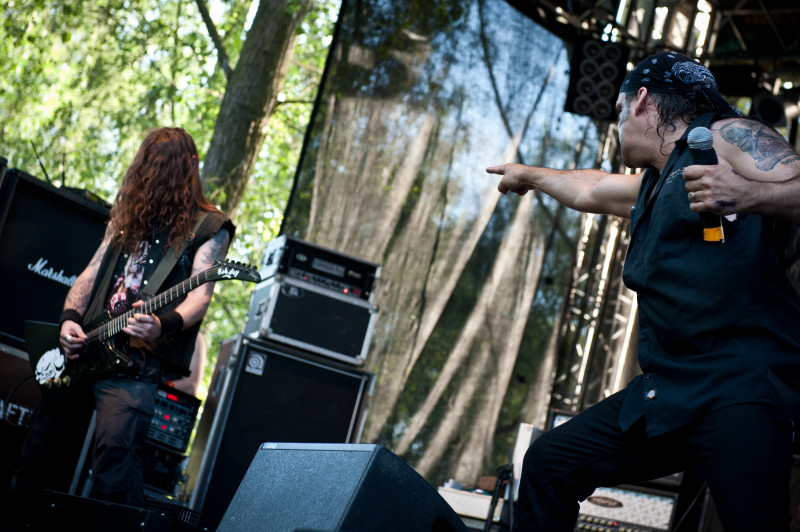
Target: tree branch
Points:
(286, 102)
(224, 63)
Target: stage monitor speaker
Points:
(47, 237)
(58, 511)
(279, 395)
(596, 73)
(331, 488)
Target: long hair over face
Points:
(161, 189)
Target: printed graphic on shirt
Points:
(128, 284)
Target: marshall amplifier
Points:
(301, 314)
(321, 267)
(47, 237)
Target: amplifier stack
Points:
(314, 299)
(293, 375)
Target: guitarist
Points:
(152, 220)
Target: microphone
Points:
(700, 145)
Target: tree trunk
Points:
(250, 99)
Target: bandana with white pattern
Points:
(673, 73)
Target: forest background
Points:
(83, 83)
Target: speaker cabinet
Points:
(769, 108)
(47, 237)
(314, 319)
(334, 487)
(19, 395)
(596, 73)
(273, 394)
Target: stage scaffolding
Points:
(597, 340)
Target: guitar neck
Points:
(114, 326)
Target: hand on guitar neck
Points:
(144, 326)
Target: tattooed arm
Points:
(72, 336)
(758, 172)
(193, 308)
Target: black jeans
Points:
(124, 407)
(743, 451)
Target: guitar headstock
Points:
(229, 269)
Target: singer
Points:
(719, 325)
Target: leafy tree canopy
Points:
(83, 82)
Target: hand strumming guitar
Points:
(72, 339)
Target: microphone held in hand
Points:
(701, 147)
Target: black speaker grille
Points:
(596, 73)
(277, 395)
(47, 237)
(292, 487)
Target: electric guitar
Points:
(57, 375)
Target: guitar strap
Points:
(97, 302)
(155, 281)
(165, 266)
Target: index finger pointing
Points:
(496, 169)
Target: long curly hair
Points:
(161, 189)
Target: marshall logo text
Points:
(41, 268)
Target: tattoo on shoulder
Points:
(762, 144)
(218, 247)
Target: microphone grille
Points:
(700, 139)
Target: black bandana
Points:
(673, 73)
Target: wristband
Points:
(171, 322)
(69, 314)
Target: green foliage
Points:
(84, 81)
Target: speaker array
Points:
(596, 73)
(769, 108)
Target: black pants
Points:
(124, 409)
(743, 451)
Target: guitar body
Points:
(57, 375)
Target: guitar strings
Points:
(115, 325)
